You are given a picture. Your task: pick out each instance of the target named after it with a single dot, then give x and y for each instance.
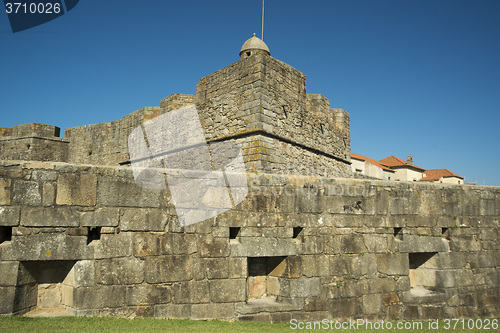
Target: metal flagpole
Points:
(262, 20)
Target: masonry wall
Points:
(308, 248)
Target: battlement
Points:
(258, 103)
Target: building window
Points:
(5, 234)
(423, 279)
(234, 233)
(94, 234)
(264, 275)
(398, 233)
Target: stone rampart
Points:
(89, 240)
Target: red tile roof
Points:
(437, 174)
(393, 161)
(372, 161)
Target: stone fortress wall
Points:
(88, 239)
(77, 233)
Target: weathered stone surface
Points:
(47, 247)
(305, 287)
(120, 192)
(415, 243)
(190, 292)
(225, 291)
(114, 246)
(49, 217)
(8, 273)
(180, 311)
(371, 303)
(128, 270)
(26, 193)
(263, 247)
(224, 311)
(217, 268)
(77, 190)
(393, 264)
(168, 268)
(101, 217)
(137, 219)
(9, 216)
(98, 297)
(5, 191)
(149, 294)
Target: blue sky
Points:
(418, 77)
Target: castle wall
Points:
(307, 248)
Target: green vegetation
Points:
(106, 324)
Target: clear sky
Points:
(418, 77)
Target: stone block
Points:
(5, 191)
(190, 292)
(315, 265)
(76, 189)
(101, 217)
(128, 270)
(226, 291)
(114, 245)
(415, 243)
(98, 297)
(145, 294)
(47, 247)
(178, 243)
(26, 193)
(465, 243)
(48, 194)
(123, 192)
(173, 311)
(8, 273)
(220, 311)
(345, 308)
(238, 268)
(352, 244)
(372, 304)
(393, 263)
(138, 219)
(213, 247)
(217, 268)
(10, 216)
(305, 287)
(376, 243)
(263, 247)
(82, 274)
(169, 269)
(7, 303)
(146, 244)
(49, 217)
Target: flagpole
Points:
(262, 20)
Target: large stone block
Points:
(5, 191)
(49, 217)
(98, 297)
(393, 263)
(213, 247)
(217, 268)
(26, 193)
(124, 192)
(76, 190)
(177, 311)
(82, 274)
(416, 243)
(169, 269)
(114, 245)
(143, 219)
(191, 292)
(226, 291)
(305, 287)
(47, 247)
(224, 311)
(7, 301)
(128, 270)
(149, 294)
(263, 247)
(371, 304)
(146, 244)
(179, 243)
(10, 216)
(101, 217)
(8, 273)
